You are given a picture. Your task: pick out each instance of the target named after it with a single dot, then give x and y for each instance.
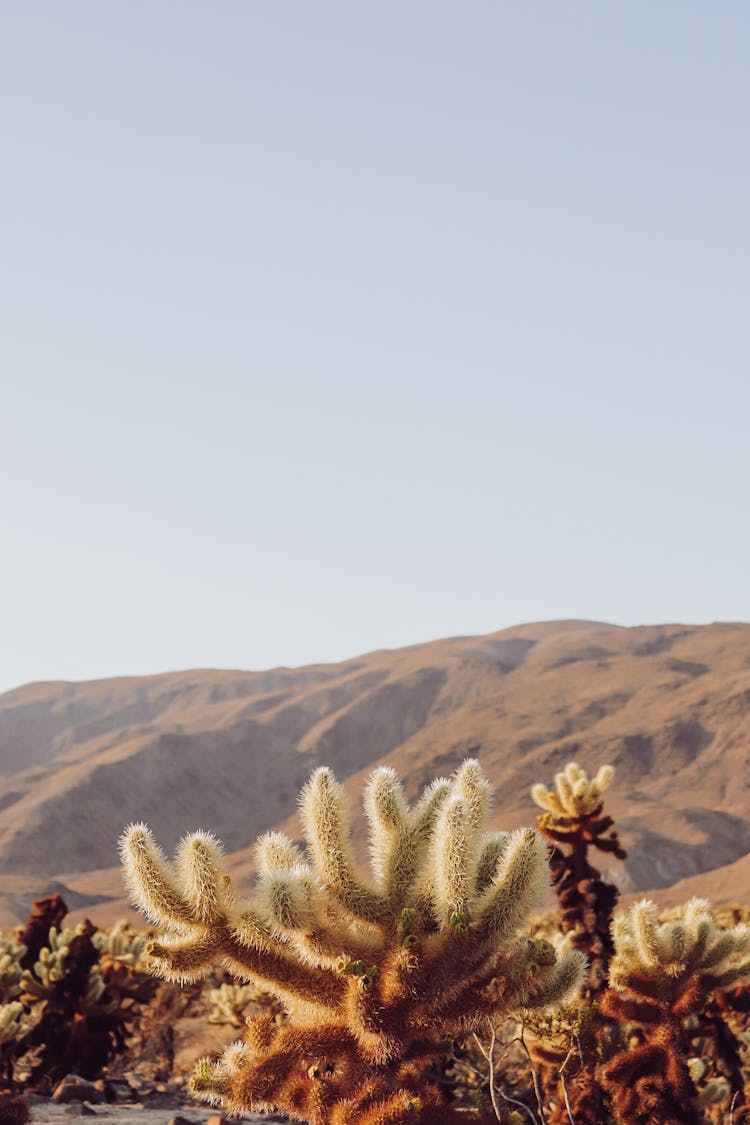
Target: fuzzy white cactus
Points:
(11, 971)
(672, 953)
(371, 971)
(661, 975)
(574, 794)
(16, 1021)
(121, 944)
(228, 1003)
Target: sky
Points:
(338, 326)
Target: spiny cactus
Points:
(11, 969)
(376, 975)
(574, 795)
(660, 974)
(49, 969)
(228, 1003)
(16, 1018)
(69, 1007)
(573, 822)
(14, 1110)
(677, 963)
(122, 965)
(122, 944)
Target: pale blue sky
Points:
(332, 326)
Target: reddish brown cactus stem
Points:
(587, 902)
(46, 914)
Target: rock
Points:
(217, 1120)
(72, 1088)
(177, 1120)
(36, 1099)
(118, 1090)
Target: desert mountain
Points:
(669, 706)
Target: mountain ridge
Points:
(228, 750)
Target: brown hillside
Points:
(669, 706)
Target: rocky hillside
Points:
(669, 706)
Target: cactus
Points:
(69, 1008)
(228, 1002)
(573, 822)
(15, 1022)
(16, 1018)
(14, 1110)
(376, 976)
(122, 965)
(661, 975)
(121, 944)
(11, 969)
(46, 914)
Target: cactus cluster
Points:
(68, 998)
(676, 964)
(365, 986)
(229, 1002)
(376, 975)
(661, 975)
(657, 989)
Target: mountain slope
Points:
(669, 706)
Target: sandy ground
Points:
(49, 1113)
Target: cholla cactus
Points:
(49, 969)
(660, 974)
(122, 964)
(375, 975)
(121, 944)
(228, 1003)
(11, 969)
(574, 822)
(574, 795)
(677, 963)
(15, 1022)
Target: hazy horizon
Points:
(355, 655)
(333, 329)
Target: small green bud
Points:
(353, 968)
(459, 924)
(368, 977)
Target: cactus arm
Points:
(454, 861)
(323, 815)
(151, 882)
(519, 887)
